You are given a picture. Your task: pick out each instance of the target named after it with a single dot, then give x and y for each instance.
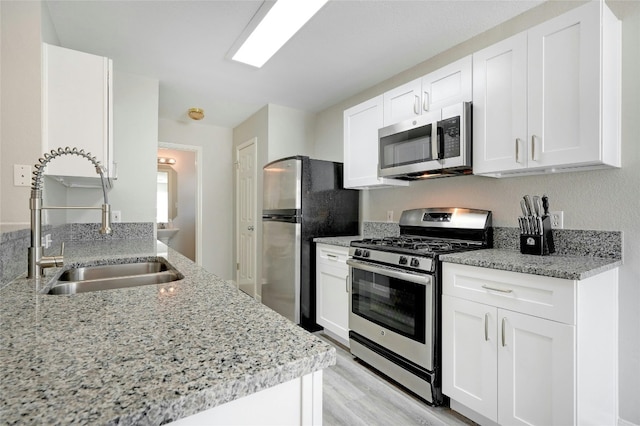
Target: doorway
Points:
(246, 224)
(188, 200)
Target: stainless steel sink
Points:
(109, 277)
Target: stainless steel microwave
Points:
(435, 144)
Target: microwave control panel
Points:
(450, 136)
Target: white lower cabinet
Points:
(332, 290)
(512, 353)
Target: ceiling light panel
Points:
(282, 21)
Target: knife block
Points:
(537, 244)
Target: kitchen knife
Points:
(523, 206)
(537, 205)
(527, 199)
(545, 204)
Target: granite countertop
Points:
(337, 241)
(141, 355)
(557, 266)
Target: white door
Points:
(469, 346)
(564, 88)
(500, 106)
(246, 217)
(536, 374)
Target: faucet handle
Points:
(53, 261)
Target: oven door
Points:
(394, 309)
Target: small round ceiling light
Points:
(196, 113)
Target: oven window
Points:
(395, 304)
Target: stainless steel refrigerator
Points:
(303, 199)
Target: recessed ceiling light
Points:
(280, 23)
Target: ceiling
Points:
(347, 47)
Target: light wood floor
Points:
(354, 394)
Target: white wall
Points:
(602, 200)
(291, 132)
(20, 129)
(217, 193)
(185, 240)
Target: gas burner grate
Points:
(424, 245)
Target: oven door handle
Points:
(424, 279)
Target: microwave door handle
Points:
(440, 143)
(434, 142)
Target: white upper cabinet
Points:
(446, 86)
(361, 124)
(549, 99)
(403, 102)
(77, 110)
(500, 106)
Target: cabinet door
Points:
(448, 85)
(402, 103)
(77, 109)
(564, 88)
(469, 358)
(361, 124)
(536, 373)
(500, 106)
(332, 292)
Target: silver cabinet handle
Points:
(250, 228)
(501, 290)
(332, 256)
(504, 320)
(486, 327)
(534, 152)
(346, 280)
(518, 143)
(425, 103)
(416, 105)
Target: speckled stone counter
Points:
(557, 266)
(142, 355)
(337, 241)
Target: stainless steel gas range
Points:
(395, 293)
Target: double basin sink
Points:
(83, 279)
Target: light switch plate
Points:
(21, 175)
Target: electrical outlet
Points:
(389, 215)
(116, 216)
(21, 175)
(557, 220)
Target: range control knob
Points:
(402, 260)
(358, 252)
(414, 262)
(365, 253)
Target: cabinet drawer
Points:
(544, 297)
(326, 253)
